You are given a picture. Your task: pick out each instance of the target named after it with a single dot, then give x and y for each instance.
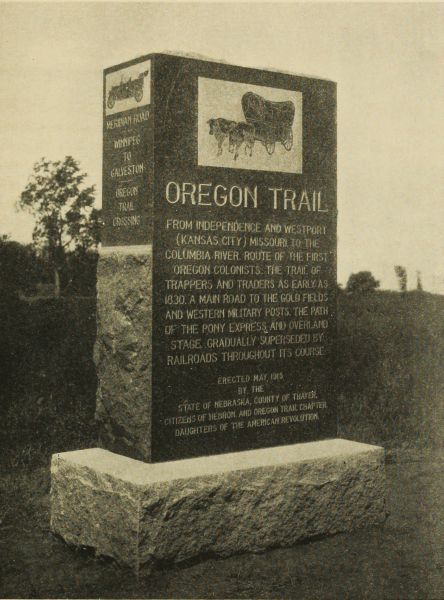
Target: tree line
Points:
(364, 281)
(63, 253)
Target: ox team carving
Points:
(265, 121)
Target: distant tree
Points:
(62, 206)
(418, 281)
(401, 274)
(362, 282)
(20, 267)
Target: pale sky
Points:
(388, 61)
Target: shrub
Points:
(361, 282)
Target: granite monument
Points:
(216, 334)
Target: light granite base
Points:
(141, 513)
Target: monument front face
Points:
(229, 176)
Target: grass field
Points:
(47, 397)
(391, 369)
(391, 388)
(402, 559)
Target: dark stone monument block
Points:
(217, 314)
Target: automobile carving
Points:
(133, 88)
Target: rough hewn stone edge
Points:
(93, 511)
(123, 350)
(141, 522)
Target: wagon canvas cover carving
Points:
(243, 126)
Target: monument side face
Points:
(230, 182)
(123, 351)
(127, 154)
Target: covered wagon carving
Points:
(265, 121)
(272, 121)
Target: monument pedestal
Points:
(141, 513)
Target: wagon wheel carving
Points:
(138, 94)
(111, 101)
